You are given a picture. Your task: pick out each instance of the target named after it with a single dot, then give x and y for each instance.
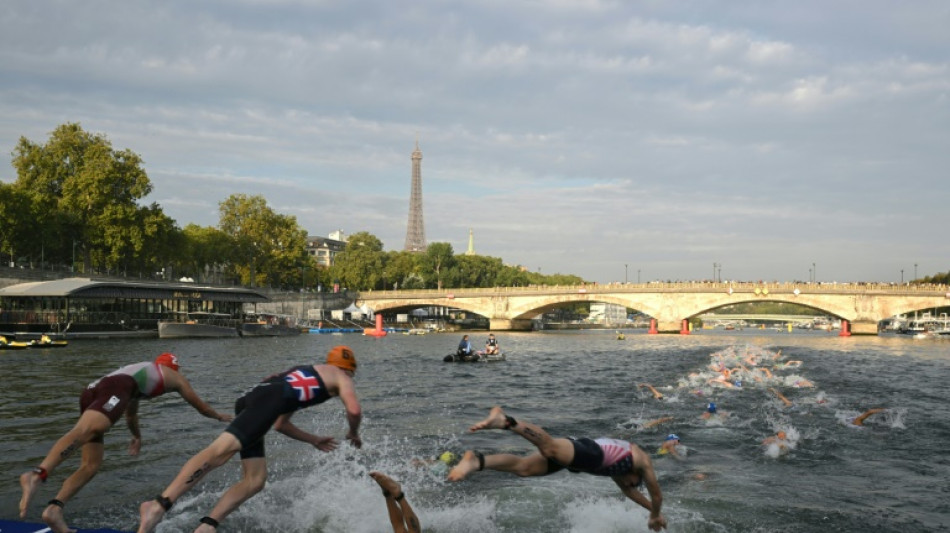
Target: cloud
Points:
(570, 136)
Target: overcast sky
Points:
(607, 139)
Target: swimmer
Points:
(859, 420)
(779, 438)
(651, 423)
(624, 462)
(401, 516)
(656, 394)
(786, 401)
(671, 447)
(713, 413)
(439, 465)
(270, 404)
(777, 444)
(101, 405)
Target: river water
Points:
(891, 475)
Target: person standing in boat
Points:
(491, 345)
(270, 404)
(101, 405)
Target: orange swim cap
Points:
(167, 359)
(342, 357)
(781, 435)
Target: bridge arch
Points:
(863, 305)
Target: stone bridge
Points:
(863, 305)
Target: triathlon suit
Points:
(600, 457)
(283, 393)
(492, 343)
(111, 394)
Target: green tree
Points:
(269, 248)
(205, 251)
(477, 271)
(15, 214)
(89, 191)
(403, 270)
(361, 265)
(438, 261)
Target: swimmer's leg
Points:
(524, 466)
(401, 515)
(92, 454)
(253, 479)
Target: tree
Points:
(438, 260)
(477, 270)
(361, 265)
(15, 214)
(204, 252)
(79, 184)
(269, 248)
(403, 270)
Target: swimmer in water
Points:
(401, 515)
(779, 438)
(859, 420)
(656, 394)
(777, 444)
(622, 461)
(786, 401)
(670, 445)
(713, 413)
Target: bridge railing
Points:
(758, 288)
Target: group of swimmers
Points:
(271, 404)
(733, 369)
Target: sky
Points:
(613, 140)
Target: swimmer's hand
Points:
(354, 439)
(224, 418)
(135, 445)
(324, 444)
(657, 523)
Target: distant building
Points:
(324, 249)
(471, 243)
(605, 313)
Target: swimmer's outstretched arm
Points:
(786, 401)
(859, 421)
(657, 422)
(656, 394)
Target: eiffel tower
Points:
(416, 231)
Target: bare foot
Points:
(467, 465)
(150, 514)
(390, 487)
(495, 420)
(29, 482)
(53, 516)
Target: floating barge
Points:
(86, 308)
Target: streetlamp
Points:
(810, 278)
(72, 267)
(638, 276)
(814, 272)
(915, 271)
(902, 276)
(625, 273)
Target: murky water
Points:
(892, 475)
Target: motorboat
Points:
(270, 325)
(477, 357)
(199, 324)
